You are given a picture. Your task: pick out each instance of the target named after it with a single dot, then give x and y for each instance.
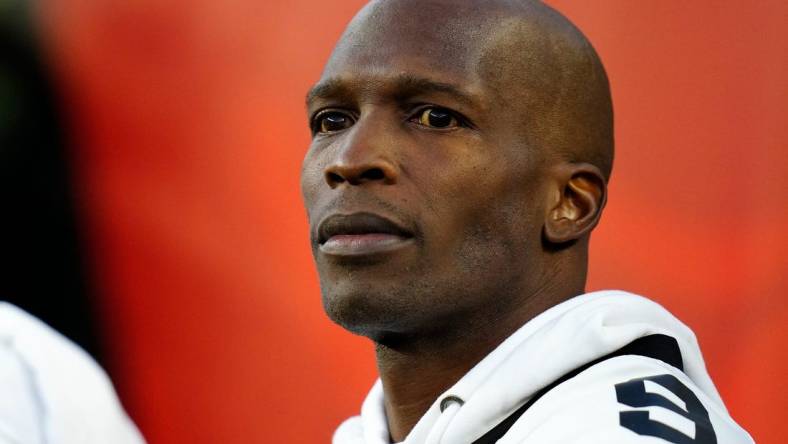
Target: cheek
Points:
(499, 235)
(311, 178)
(487, 213)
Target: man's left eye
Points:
(435, 117)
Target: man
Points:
(460, 157)
(51, 390)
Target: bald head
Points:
(534, 62)
(459, 161)
(481, 131)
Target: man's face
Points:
(425, 200)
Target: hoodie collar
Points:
(548, 346)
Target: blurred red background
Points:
(190, 127)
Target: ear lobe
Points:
(580, 199)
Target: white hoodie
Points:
(51, 391)
(583, 409)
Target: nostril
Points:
(334, 178)
(337, 175)
(373, 174)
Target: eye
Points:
(434, 117)
(331, 121)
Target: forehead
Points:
(441, 41)
(433, 30)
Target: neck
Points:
(414, 375)
(415, 372)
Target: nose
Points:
(360, 173)
(362, 159)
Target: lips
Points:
(358, 224)
(360, 234)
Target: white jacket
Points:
(595, 406)
(51, 391)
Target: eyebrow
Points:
(327, 89)
(404, 86)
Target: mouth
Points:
(360, 234)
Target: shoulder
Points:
(627, 399)
(64, 392)
(19, 409)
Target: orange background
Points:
(190, 129)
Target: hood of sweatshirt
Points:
(547, 347)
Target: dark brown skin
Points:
(483, 129)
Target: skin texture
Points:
(483, 129)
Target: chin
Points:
(368, 311)
(357, 313)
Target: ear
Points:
(576, 202)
